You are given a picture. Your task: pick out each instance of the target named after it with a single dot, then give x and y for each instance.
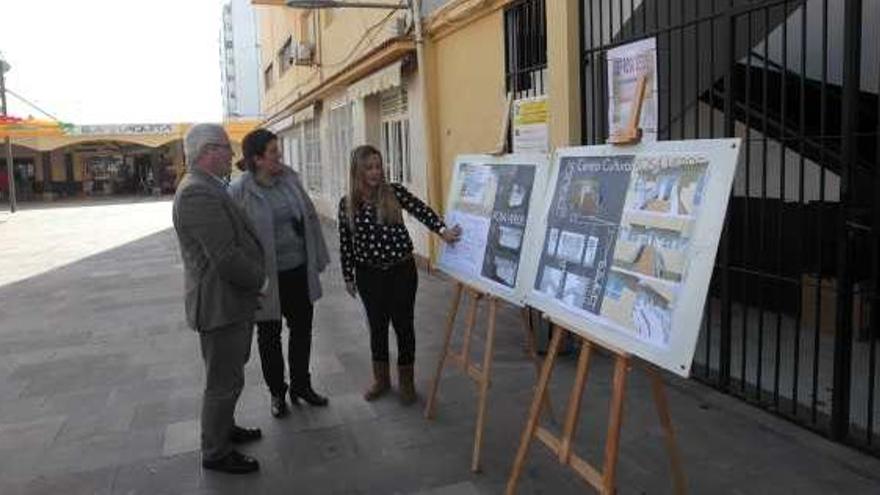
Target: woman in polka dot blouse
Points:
(377, 262)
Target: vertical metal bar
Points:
(542, 46)
(852, 48)
(669, 84)
(644, 16)
(763, 218)
(656, 15)
(799, 327)
(594, 138)
(601, 76)
(620, 31)
(697, 73)
(708, 319)
(780, 215)
(729, 130)
(682, 62)
(583, 61)
(10, 160)
(823, 131)
(712, 71)
(610, 21)
(746, 239)
(875, 295)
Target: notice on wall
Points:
(493, 200)
(629, 242)
(625, 65)
(531, 123)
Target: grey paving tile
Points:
(101, 392)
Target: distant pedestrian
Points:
(377, 262)
(289, 228)
(224, 278)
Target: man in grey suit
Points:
(224, 277)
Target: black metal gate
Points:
(791, 321)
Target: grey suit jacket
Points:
(222, 255)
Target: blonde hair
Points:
(387, 206)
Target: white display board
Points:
(496, 201)
(628, 242)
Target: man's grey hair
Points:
(199, 136)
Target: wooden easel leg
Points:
(469, 328)
(535, 410)
(450, 326)
(574, 402)
(678, 480)
(485, 375)
(532, 345)
(615, 420)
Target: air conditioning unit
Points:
(302, 53)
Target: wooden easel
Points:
(481, 375)
(603, 481)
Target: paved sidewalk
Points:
(100, 385)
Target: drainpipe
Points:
(433, 175)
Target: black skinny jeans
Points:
(297, 309)
(390, 295)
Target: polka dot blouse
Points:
(376, 244)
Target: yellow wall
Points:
(79, 167)
(563, 67)
(342, 37)
(468, 92)
(59, 173)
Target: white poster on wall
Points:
(495, 200)
(629, 242)
(531, 124)
(625, 65)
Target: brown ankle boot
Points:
(381, 381)
(407, 385)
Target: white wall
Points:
(246, 61)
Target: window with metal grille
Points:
(311, 146)
(395, 135)
(291, 149)
(525, 45)
(339, 134)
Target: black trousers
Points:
(297, 309)
(390, 295)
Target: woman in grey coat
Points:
(288, 227)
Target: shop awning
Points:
(14, 127)
(384, 79)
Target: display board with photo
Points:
(492, 199)
(628, 243)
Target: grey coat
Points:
(246, 192)
(222, 255)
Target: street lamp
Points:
(10, 175)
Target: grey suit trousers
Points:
(225, 351)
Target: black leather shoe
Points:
(233, 463)
(279, 406)
(307, 394)
(244, 435)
